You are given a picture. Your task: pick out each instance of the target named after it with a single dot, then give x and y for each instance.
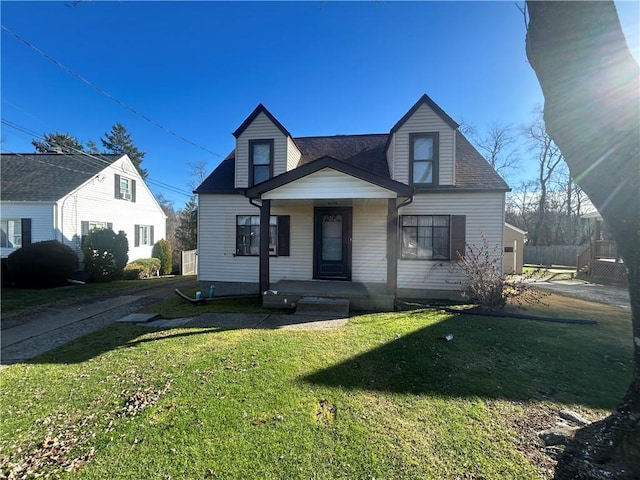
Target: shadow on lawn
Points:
(493, 358)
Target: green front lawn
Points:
(381, 398)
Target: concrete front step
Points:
(338, 307)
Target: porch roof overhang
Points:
(328, 178)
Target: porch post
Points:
(265, 213)
(392, 247)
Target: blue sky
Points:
(199, 68)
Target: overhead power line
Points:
(105, 93)
(92, 159)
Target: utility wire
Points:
(105, 93)
(94, 159)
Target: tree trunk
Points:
(592, 111)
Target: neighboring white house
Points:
(389, 211)
(52, 196)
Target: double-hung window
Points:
(261, 159)
(248, 235)
(423, 151)
(125, 188)
(143, 235)
(425, 237)
(11, 233)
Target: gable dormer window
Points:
(423, 151)
(261, 159)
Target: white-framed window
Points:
(143, 235)
(11, 233)
(125, 188)
(97, 225)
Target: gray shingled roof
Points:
(473, 172)
(47, 177)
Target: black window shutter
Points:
(151, 242)
(110, 226)
(84, 228)
(133, 190)
(283, 235)
(116, 191)
(26, 231)
(136, 235)
(458, 240)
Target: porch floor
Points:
(361, 296)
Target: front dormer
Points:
(264, 149)
(421, 147)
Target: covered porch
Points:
(343, 203)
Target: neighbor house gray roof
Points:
(47, 177)
(367, 152)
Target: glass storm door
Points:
(332, 245)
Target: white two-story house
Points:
(53, 196)
(388, 211)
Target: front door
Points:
(332, 243)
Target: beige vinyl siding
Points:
(424, 120)
(95, 201)
(260, 129)
(326, 184)
(369, 246)
(299, 264)
(293, 154)
(42, 220)
(217, 241)
(484, 216)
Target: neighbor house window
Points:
(425, 237)
(125, 188)
(88, 225)
(11, 233)
(143, 235)
(248, 235)
(423, 151)
(261, 159)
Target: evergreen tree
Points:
(119, 142)
(57, 142)
(187, 231)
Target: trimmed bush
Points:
(162, 251)
(105, 254)
(42, 265)
(141, 268)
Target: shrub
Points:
(486, 285)
(105, 254)
(42, 265)
(141, 268)
(162, 251)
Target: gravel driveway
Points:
(605, 294)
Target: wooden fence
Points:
(552, 255)
(189, 263)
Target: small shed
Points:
(513, 256)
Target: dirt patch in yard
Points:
(562, 306)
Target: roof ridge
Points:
(342, 135)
